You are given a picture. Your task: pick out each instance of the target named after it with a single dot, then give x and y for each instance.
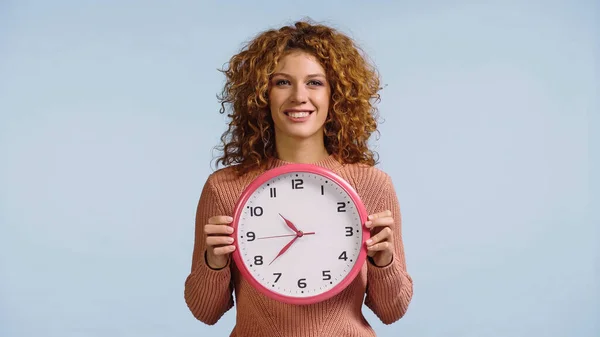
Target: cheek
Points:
(276, 100)
(324, 100)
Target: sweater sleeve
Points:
(208, 292)
(390, 287)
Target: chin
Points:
(301, 133)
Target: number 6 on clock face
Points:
(299, 233)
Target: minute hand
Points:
(284, 249)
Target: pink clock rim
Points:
(301, 168)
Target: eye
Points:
(315, 82)
(281, 82)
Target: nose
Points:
(299, 94)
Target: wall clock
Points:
(299, 233)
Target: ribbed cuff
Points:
(206, 266)
(392, 270)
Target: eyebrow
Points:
(308, 76)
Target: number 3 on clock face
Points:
(299, 234)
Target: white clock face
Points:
(319, 258)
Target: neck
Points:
(306, 151)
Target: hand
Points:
(286, 247)
(289, 223)
(283, 236)
(380, 246)
(297, 235)
(218, 242)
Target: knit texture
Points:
(386, 290)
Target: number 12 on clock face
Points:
(299, 234)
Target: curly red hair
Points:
(248, 141)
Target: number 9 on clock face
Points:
(299, 234)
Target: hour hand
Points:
(289, 223)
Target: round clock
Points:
(299, 234)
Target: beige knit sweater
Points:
(388, 289)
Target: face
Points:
(299, 97)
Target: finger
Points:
(381, 246)
(219, 240)
(387, 221)
(383, 214)
(223, 250)
(384, 235)
(217, 229)
(220, 220)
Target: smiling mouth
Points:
(298, 114)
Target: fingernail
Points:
(230, 219)
(230, 240)
(370, 217)
(229, 230)
(369, 242)
(368, 223)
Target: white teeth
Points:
(298, 114)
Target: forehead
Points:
(299, 62)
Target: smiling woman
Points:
(301, 94)
(311, 64)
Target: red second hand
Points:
(282, 236)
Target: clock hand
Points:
(290, 224)
(285, 248)
(282, 236)
(299, 234)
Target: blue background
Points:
(108, 115)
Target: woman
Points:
(300, 94)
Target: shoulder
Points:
(364, 176)
(223, 176)
(227, 182)
(370, 182)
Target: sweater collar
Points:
(329, 162)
